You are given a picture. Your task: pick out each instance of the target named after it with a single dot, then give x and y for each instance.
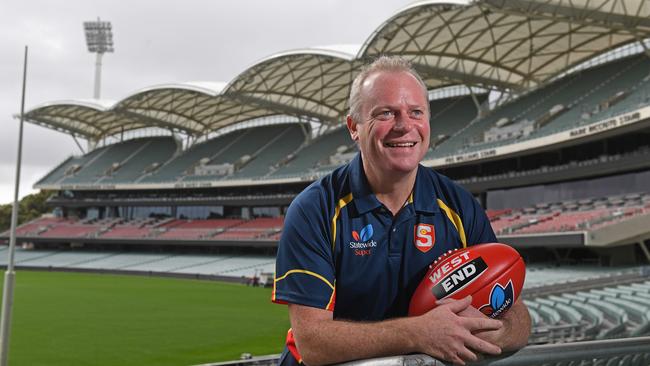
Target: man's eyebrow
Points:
(381, 107)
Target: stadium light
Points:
(99, 39)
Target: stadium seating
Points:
(448, 116)
(127, 231)
(70, 229)
(604, 311)
(314, 153)
(550, 217)
(494, 214)
(124, 260)
(580, 93)
(252, 143)
(259, 228)
(156, 151)
(34, 227)
(101, 163)
(209, 264)
(588, 214)
(619, 76)
(471, 136)
(176, 167)
(291, 138)
(70, 165)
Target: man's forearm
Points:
(440, 333)
(325, 342)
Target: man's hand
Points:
(448, 332)
(442, 333)
(516, 325)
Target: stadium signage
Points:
(471, 156)
(193, 185)
(88, 186)
(582, 131)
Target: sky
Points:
(156, 42)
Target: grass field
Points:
(100, 319)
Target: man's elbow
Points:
(310, 348)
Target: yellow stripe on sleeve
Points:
(455, 219)
(337, 211)
(304, 271)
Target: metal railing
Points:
(619, 352)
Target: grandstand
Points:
(543, 113)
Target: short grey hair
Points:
(383, 63)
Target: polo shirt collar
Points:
(364, 199)
(424, 197)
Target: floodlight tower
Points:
(99, 38)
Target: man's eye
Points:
(417, 113)
(385, 114)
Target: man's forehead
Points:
(373, 89)
(373, 76)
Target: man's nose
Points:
(403, 122)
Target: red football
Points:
(492, 273)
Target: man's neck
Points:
(392, 190)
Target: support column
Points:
(98, 75)
(645, 250)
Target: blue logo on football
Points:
(501, 298)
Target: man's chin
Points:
(402, 167)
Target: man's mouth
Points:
(399, 144)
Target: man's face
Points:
(393, 133)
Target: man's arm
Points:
(441, 333)
(516, 326)
(515, 331)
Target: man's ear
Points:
(352, 127)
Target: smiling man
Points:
(356, 243)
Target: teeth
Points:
(400, 144)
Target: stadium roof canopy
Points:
(515, 44)
(503, 44)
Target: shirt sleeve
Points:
(304, 271)
(478, 227)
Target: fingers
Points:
(479, 324)
(463, 356)
(473, 347)
(482, 346)
(446, 300)
(458, 305)
(454, 322)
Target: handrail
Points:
(589, 352)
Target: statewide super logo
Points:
(366, 233)
(362, 243)
(501, 298)
(425, 237)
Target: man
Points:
(357, 243)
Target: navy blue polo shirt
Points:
(342, 250)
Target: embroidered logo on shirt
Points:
(362, 244)
(366, 233)
(425, 237)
